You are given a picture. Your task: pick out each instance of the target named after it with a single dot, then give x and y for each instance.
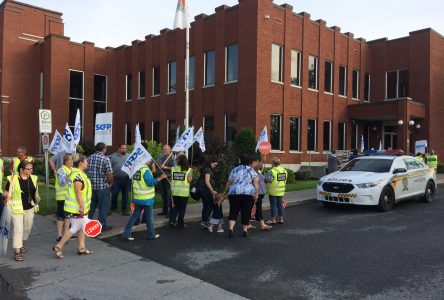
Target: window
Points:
(277, 63)
(155, 133)
(399, 164)
(295, 68)
(209, 58)
(141, 84)
(342, 80)
(156, 81)
(354, 136)
(191, 78)
(295, 133)
(313, 72)
(412, 164)
(142, 130)
(397, 84)
(311, 135)
(328, 80)
(208, 124)
(128, 85)
(341, 136)
(99, 94)
(367, 87)
(75, 96)
(231, 62)
(355, 84)
(172, 77)
(171, 132)
(275, 132)
(327, 136)
(230, 128)
(128, 133)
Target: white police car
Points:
(378, 180)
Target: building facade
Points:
(252, 65)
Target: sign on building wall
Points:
(103, 131)
(420, 146)
(45, 121)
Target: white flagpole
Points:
(187, 76)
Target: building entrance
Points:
(390, 137)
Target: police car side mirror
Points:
(399, 170)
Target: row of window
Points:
(277, 73)
(231, 74)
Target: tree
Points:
(245, 142)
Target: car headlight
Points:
(320, 182)
(367, 185)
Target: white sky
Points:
(117, 22)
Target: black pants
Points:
(242, 204)
(2, 204)
(178, 211)
(207, 204)
(259, 216)
(165, 189)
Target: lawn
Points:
(301, 185)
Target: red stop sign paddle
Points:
(265, 147)
(93, 228)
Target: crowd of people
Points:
(84, 185)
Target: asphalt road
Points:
(342, 252)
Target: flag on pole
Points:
(181, 19)
(136, 160)
(380, 145)
(362, 143)
(199, 137)
(68, 140)
(56, 144)
(185, 141)
(77, 131)
(262, 138)
(138, 139)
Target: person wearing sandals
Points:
(143, 198)
(61, 187)
(77, 205)
(22, 199)
(276, 179)
(181, 177)
(257, 166)
(243, 190)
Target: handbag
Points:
(194, 191)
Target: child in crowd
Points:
(218, 217)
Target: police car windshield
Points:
(369, 165)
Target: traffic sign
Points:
(93, 228)
(45, 141)
(265, 147)
(45, 121)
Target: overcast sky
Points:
(117, 22)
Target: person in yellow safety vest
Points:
(419, 157)
(21, 156)
(62, 187)
(432, 160)
(2, 203)
(77, 204)
(143, 198)
(22, 196)
(181, 177)
(276, 179)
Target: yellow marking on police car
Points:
(325, 193)
(347, 195)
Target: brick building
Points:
(253, 64)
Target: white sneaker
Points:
(220, 230)
(210, 228)
(157, 236)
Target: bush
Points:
(303, 175)
(440, 169)
(154, 148)
(244, 142)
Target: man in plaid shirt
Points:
(100, 173)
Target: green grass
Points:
(301, 185)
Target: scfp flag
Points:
(262, 138)
(56, 144)
(77, 131)
(199, 137)
(136, 160)
(181, 19)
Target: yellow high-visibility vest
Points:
(277, 186)
(16, 198)
(141, 191)
(16, 162)
(432, 161)
(420, 158)
(62, 191)
(1, 176)
(179, 182)
(71, 204)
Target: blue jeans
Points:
(276, 201)
(120, 184)
(100, 199)
(147, 216)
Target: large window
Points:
(354, 136)
(230, 128)
(128, 133)
(311, 135)
(397, 84)
(341, 136)
(327, 136)
(172, 77)
(192, 73)
(277, 63)
(295, 133)
(156, 81)
(155, 131)
(171, 132)
(142, 130)
(210, 65)
(128, 87)
(275, 132)
(342, 80)
(99, 94)
(328, 80)
(208, 124)
(295, 68)
(231, 63)
(141, 84)
(75, 96)
(355, 84)
(313, 72)
(367, 87)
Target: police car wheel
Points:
(386, 200)
(429, 192)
